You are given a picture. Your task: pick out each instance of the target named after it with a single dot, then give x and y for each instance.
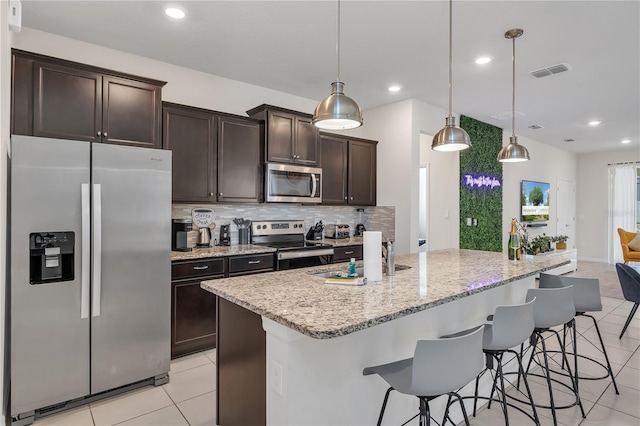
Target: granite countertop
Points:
(220, 251)
(302, 301)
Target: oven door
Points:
(294, 259)
(286, 183)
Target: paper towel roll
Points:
(372, 255)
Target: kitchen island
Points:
(319, 336)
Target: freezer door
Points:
(49, 327)
(131, 289)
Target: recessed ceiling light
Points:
(626, 141)
(394, 88)
(483, 60)
(174, 12)
(594, 122)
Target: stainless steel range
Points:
(288, 237)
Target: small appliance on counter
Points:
(225, 236)
(179, 234)
(360, 226)
(337, 231)
(203, 218)
(315, 232)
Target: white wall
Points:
(444, 178)
(390, 125)
(5, 96)
(547, 164)
(592, 189)
(185, 86)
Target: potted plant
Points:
(561, 242)
(540, 244)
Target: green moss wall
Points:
(483, 204)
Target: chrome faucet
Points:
(388, 254)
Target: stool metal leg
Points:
(384, 405)
(604, 351)
(629, 318)
(548, 377)
(526, 385)
(572, 324)
(503, 395)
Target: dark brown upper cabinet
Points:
(217, 157)
(290, 136)
(67, 100)
(348, 170)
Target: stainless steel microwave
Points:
(286, 183)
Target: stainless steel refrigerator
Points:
(90, 272)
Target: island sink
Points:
(359, 271)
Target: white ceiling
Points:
(290, 46)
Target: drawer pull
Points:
(200, 268)
(253, 262)
(348, 252)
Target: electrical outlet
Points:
(468, 221)
(276, 377)
(475, 222)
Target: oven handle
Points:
(295, 254)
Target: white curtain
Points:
(622, 205)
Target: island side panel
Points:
(241, 372)
(322, 382)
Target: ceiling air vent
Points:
(554, 69)
(536, 127)
(569, 140)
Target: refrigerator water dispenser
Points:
(51, 257)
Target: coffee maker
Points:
(179, 233)
(225, 236)
(360, 226)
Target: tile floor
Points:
(189, 397)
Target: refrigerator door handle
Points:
(97, 248)
(86, 252)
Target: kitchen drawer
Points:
(200, 268)
(248, 264)
(345, 253)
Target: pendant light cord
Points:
(450, 50)
(513, 100)
(338, 40)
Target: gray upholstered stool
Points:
(438, 367)
(511, 325)
(554, 307)
(586, 298)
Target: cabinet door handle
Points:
(99, 133)
(211, 194)
(200, 268)
(253, 262)
(345, 198)
(105, 134)
(351, 198)
(348, 252)
(220, 194)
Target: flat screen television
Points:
(534, 201)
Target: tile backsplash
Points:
(378, 218)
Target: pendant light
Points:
(337, 111)
(451, 137)
(513, 152)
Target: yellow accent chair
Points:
(628, 254)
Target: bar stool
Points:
(511, 325)
(586, 298)
(438, 367)
(553, 307)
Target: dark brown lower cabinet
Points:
(193, 309)
(345, 253)
(193, 318)
(241, 378)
